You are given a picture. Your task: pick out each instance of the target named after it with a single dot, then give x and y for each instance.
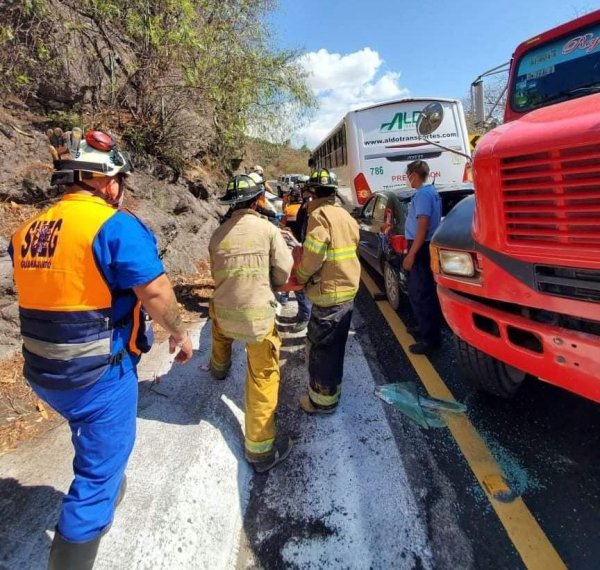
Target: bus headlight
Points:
(457, 263)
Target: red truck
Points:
(518, 265)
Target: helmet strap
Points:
(116, 201)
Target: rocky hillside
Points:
(182, 213)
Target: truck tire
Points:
(486, 373)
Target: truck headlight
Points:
(457, 263)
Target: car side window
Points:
(379, 210)
(367, 213)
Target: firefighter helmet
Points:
(241, 189)
(323, 178)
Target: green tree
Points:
(161, 60)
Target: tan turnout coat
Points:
(330, 266)
(248, 257)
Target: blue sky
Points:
(364, 51)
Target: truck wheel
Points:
(486, 373)
(392, 285)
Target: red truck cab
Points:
(518, 266)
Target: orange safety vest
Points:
(291, 211)
(65, 304)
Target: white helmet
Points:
(95, 155)
(258, 169)
(257, 178)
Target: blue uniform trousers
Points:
(303, 305)
(102, 418)
(423, 297)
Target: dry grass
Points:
(13, 215)
(22, 414)
(276, 159)
(193, 293)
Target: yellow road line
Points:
(521, 526)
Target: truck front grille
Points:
(568, 282)
(553, 197)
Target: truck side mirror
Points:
(478, 101)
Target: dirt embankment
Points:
(181, 214)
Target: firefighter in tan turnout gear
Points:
(331, 271)
(248, 258)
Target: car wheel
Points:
(392, 285)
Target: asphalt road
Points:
(546, 440)
(364, 488)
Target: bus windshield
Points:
(559, 70)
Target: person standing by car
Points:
(424, 217)
(331, 271)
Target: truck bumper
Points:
(559, 356)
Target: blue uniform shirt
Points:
(126, 253)
(425, 202)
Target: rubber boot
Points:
(65, 555)
(122, 490)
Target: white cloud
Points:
(343, 83)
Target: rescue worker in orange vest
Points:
(83, 270)
(248, 258)
(331, 271)
(290, 212)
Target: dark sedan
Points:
(382, 243)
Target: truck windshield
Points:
(559, 70)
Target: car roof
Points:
(404, 194)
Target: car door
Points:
(370, 223)
(365, 220)
(378, 228)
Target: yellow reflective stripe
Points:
(322, 399)
(242, 272)
(315, 246)
(218, 365)
(341, 253)
(333, 298)
(302, 275)
(259, 446)
(245, 314)
(245, 338)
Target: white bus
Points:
(370, 148)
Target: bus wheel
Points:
(392, 285)
(486, 373)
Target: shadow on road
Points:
(28, 512)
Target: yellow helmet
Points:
(323, 178)
(240, 189)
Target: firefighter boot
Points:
(281, 449)
(65, 555)
(308, 406)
